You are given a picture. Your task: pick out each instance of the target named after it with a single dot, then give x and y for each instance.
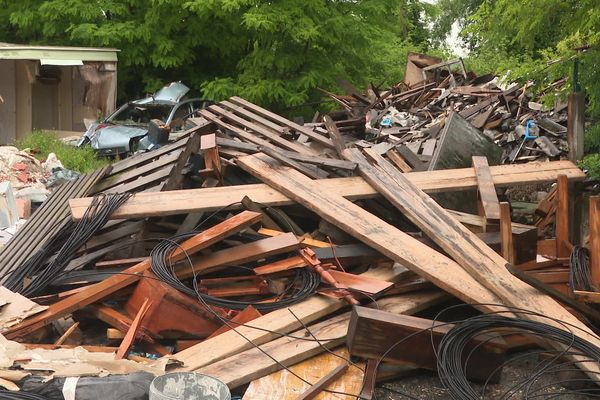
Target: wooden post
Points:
(488, 204)
(594, 221)
(508, 250)
(562, 218)
(575, 125)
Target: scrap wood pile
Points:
(300, 261)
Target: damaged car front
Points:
(126, 131)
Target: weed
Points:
(42, 143)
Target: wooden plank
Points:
(282, 385)
(132, 174)
(371, 333)
(143, 205)
(65, 336)
(576, 125)
(334, 134)
(324, 382)
(481, 263)
(486, 189)
(101, 290)
(276, 323)
(388, 240)
(131, 332)
(594, 247)
(267, 221)
(562, 217)
(251, 364)
(411, 158)
(303, 239)
(246, 315)
(272, 137)
(508, 250)
(285, 122)
(312, 159)
(310, 171)
(398, 160)
(242, 254)
(587, 297)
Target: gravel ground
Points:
(426, 385)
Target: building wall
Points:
(25, 76)
(8, 117)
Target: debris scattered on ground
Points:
(298, 261)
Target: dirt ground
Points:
(426, 385)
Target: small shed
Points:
(54, 88)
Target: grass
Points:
(591, 164)
(42, 143)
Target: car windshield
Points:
(141, 114)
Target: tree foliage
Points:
(276, 53)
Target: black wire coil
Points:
(305, 280)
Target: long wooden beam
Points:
(252, 364)
(473, 255)
(143, 205)
(371, 230)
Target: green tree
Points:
(276, 53)
(535, 40)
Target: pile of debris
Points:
(266, 253)
(426, 113)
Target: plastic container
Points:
(188, 386)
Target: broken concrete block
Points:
(24, 207)
(9, 213)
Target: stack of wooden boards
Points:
(253, 206)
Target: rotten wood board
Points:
(143, 205)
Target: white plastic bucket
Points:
(188, 386)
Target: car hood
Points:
(116, 136)
(170, 94)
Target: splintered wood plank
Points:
(562, 217)
(371, 230)
(230, 343)
(143, 205)
(594, 222)
(101, 290)
(475, 257)
(282, 385)
(486, 189)
(244, 367)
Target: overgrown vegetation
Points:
(77, 159)
(275, 53)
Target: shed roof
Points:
(34, 52)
